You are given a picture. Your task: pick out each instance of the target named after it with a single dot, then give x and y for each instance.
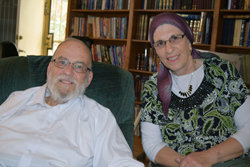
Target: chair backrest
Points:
(111, 86)
(8, 49)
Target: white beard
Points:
(60, 96)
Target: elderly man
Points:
(57, 125)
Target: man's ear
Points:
(90, 78)
(49, 68)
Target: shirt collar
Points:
(36, 97)
(44, 92)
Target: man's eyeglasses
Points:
(79, 67)
(174, 39)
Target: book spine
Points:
(101, 27)
(242, 33)
(110, 54)
(142, 61)
(170, 4)
(160, 4)
(248, 36)
(111, 50)
(231, 32)
(125, 27)
(208, 30)
(150, 20)
(246, 33)
(99, 56)
(164, 4)
(145, 29)
(224, 32)
(138, 58)
(189, 16)
(141, 27)
(142, 4)
(124, 55)
(202, 27)
(235, 31)
(146, 60)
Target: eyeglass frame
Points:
(73, 65)
(164, 42)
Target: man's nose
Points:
(69, 69)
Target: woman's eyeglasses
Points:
(174, 39)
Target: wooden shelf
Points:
(100, 11)
(174, 11)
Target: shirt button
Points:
(48, 122)
(29, 150)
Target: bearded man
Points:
(57, 125)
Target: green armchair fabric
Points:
(111, 86)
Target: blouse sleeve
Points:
(151, 108)
(151, 105)
(242, 120)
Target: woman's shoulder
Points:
(152, 81)
(214, 60)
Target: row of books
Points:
(143, 24)
(103, 4)
(237, 4)
(236, 30)
(147, 61)
(201, 26)
(177, 4)
(109, 54)
(100, 27)
(138, 87)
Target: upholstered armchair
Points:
(111, 86)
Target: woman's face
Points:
(176, 57)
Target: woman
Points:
(195, 110)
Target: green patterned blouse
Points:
(204, 119)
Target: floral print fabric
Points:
(204, 119)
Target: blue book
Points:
(230, 34)
(248, 36)
(107, 4)
(224, 32)
(122, 28)
(111, 4)
(101, 27)
(111, 55)
(142, 4)
(120, 4)
(157, 4)
(189, 16)
(208, 30)
(89, 4)
(115, 55)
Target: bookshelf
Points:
(134, 45)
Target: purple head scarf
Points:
(164, 80)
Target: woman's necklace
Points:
(190, 88)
